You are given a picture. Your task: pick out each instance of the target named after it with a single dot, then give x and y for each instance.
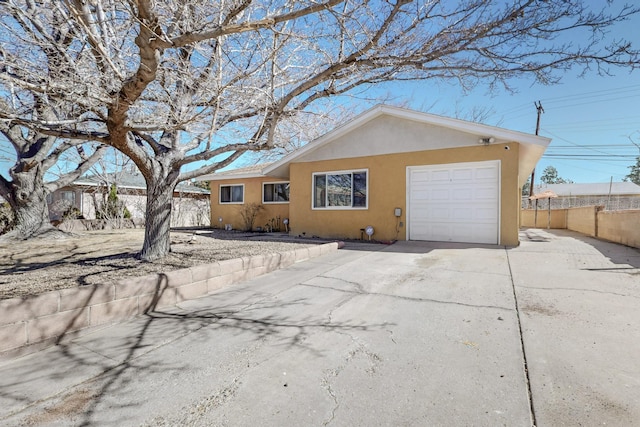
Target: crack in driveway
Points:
(358, 349)
(579, 290)
(403, 297)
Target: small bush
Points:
(72, 213)
(249, 212)
(112, 208)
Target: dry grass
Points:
(37, 266)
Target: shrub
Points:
(249, 212)
(112, 208)
(72, 213)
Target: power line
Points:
(591, 146)
(600, 95)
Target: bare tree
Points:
(202, 82)
(109, 174)
(35, 153)
(26, 189)
(301, 128)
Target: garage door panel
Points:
(437, 214)
(462, 175)
(418, 196)
(421, 176)
(488, 173)
(485, 193)
(439, 176)
(439, 194)
(461, 194)
(461, 214)
(457, 203)
(462, 232)
(434, 231)
(485, 215)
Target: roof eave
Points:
(220, 177)
(527, 161)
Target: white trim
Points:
(220, 202)
(276, 182)
(339, 208)
(222, 176)
(426, 118)
(453, 165)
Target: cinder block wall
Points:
(31, 324)
(558, 218)
(584, 220)
(620, 227)
(616, 226)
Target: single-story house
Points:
(611, 195)
(397, 173)
(86, 194)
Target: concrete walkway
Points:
(414, 333)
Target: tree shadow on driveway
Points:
(78, 380)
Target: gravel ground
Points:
(33, 267)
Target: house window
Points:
(232, 193)
(275, 192)
(69, 196)
(340, 190)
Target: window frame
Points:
(277, 202)
(326, 200)
(231, 202)
(71, 198)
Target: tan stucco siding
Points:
(387, 190)
(374, 139)
(230, 212)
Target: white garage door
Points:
(454, 202)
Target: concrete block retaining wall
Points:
(540, 219)
(620, 227)
(616, 226)
(33, 323)
(584, 220)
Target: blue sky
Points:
(590, 120)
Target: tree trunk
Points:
(157, 228)
(28, 199)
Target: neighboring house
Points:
(190, 203)
(409, 175)
(611, 195)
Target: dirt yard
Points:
(32, 267)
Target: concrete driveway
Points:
(410, 334)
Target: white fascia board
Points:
(220, 177)
(280, 168)
(96, 184)
(468, 127)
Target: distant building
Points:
(190, 207)
(613, 196)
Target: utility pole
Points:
(634, 143)
(533, 173)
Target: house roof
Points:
(532, 146)
(591, 189)
(133, 181)
(254, 171)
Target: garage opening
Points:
(457, 202)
